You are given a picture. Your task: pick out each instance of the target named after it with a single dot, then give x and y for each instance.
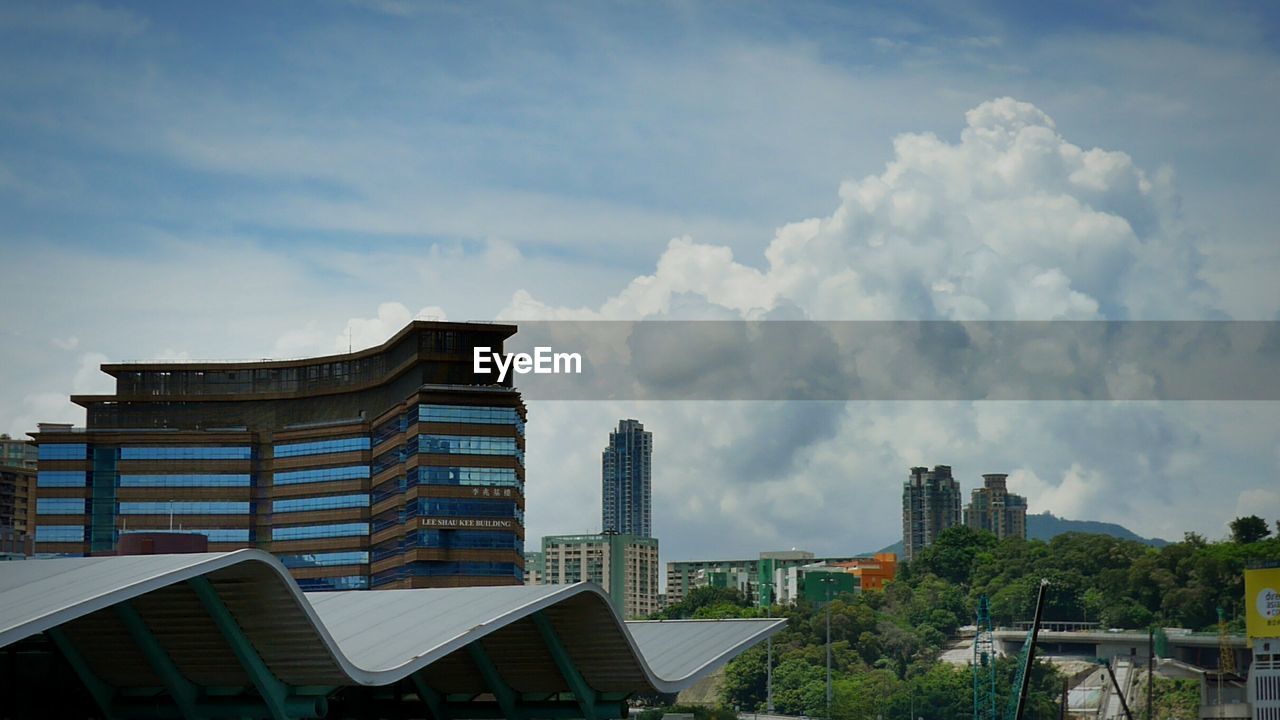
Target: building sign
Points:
(1262, 600)
(450, 523)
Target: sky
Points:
(276, 180)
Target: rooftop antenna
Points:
(348, 339)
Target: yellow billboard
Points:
(1262, 599)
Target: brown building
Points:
(396, 466)
(994, 509)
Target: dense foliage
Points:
(1098, 578)
(885, 646)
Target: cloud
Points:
(1012, 222)
(363, 333)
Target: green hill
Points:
(1046, 526)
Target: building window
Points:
(469, 445)
(60, 533)
(320, 531)
(322, 447)
(215, 535)
(430, 475)
(466, 539)
(454, 507)
(346, 582)
(471, 414)
(60, 506)
(209, 452)
(325, 559)
(295, 477)
(333, 502)
(64, 451)
(60, 478)
(220, 480)
(209, 507)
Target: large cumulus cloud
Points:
(1011, 221)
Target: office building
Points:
(760, 580)
(930, 504)
(994, 509)
(628, 481)
(626, 566)
(16, 453)
(391, 467)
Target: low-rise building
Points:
(760, 579)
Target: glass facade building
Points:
(627, 481)
(391, 467)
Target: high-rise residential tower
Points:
(930, 504)
(628, 481)
(994, 509)
(396, 466)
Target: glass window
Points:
(207, 452)
(346, 582)
(60, 478)
(207, 507)
(64, 451)
(469, 445)
(60, 506)
(333, 502)
(485, 569)
(455, 507)
(220, 480)
(321, 447)
(466, 539)
(463, 476)
(319, 531)
(59, 533)
(325, 559)
(214, 534)
(294, 477)
(474, 414)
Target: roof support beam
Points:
(585, 696)
(102, 693)
(502, 692)
(185, 695)
(274, 693)
(429, 696)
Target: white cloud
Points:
(361, 333)
(1011, 222)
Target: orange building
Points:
(874, 572)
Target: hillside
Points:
(1046, 526)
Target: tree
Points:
(1249, 529)
(951, 556)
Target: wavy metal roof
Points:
(368, 638)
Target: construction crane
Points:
(1018, 700)
(984, 664)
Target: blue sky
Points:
(254, 179)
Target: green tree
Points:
(1249, 529)
(951, 556)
